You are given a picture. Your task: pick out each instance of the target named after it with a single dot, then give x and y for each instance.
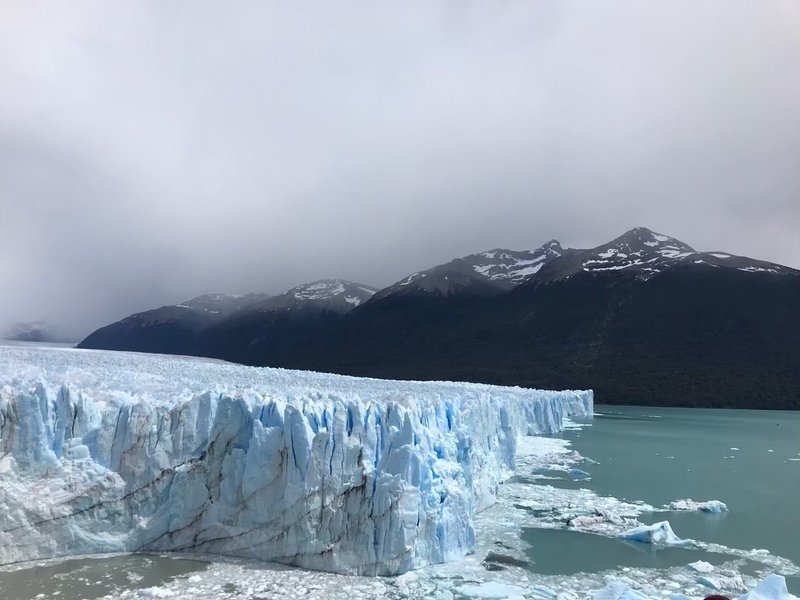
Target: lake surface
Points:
(748, 459)
(90, 578)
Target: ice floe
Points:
(660, 534)
(709, 506)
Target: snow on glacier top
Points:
(176, 378)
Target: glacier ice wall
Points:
(120, 452)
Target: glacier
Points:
(121, 452)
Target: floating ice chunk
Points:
(404, 580)
(708, 582)
(773, 587)
(578, 473)
(586, 521)
(495, 561)
(732, 583)
(542, 591)
(492, 589)
(709, 506)
(155, 592)
(618, 590)
(569, 424)
(701, 566)
(659, 533)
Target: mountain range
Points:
(644, 319)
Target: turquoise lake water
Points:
(748, 459)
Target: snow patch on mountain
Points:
(484, 272)
(645, 254)
(511, 265)
(196, 312)
(641, 249)
(335, 295)
(319, 290)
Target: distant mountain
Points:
(284, 321)
(215, 306)
(645, 254)
(486, 273)
(185, 328)
(643, 319)
(333, 295)
(40, 330)
(172, 329)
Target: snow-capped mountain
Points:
(221, 304)
(711, 328)
(199, 325)
(646, 253)
(268, 328)
(640, 251)
(197, 311)
(512, 265)
(335, 295)
(488, 272)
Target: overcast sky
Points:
(153, 151)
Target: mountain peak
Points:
(335, 295)
(326, 289)
(483, 273)
(220, 304)
(642, 238)
(554, 244)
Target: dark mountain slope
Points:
(271, 331)
(483, 274)
(699, 336)
(230, 326)
(170, 329)
(643, 319)
(693, 336)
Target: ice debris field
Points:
(115, 452)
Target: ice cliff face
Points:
(114, 452)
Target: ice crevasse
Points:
(121, 452)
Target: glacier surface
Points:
(120, 452)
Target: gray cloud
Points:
(154, 151)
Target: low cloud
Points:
(153, 151)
